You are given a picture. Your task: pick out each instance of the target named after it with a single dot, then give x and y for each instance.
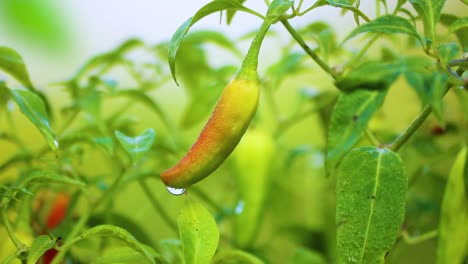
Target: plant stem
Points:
(248, 70)
(417, 122)
(9, 229)
(306, 48)
(157, 206)
(412, 240)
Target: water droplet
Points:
(239, 207)
(56, 143)
(175, 191)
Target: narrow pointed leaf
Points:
(430, 11)
(47, 177)
(383, 75)
(349, 119)
(12, 63)
(453, 232)
(137, 146)
(388, 24)
(370, 204)
(230, 13)
(198, 233)
(38, 247)
(34, 108)
(121, 255)
(212, 7)
(117, 233)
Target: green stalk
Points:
(9, 229)
(309, 51)
(412, 128)
(412, 240)
(248, 70)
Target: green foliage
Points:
(34, 108)
(12, 63)
(198, 233)
(317, 178)
(370, 204)
(137, 146)
(38, 247)
(349, 120)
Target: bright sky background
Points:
(98, 26)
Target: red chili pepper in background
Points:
(57, 213)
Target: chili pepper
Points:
(230, 118)
(220, 135)
(228, 122)
(58, 211)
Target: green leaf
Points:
(113, 232)
(276, 9)
(460, 28)
(349, 119)
(123, 221)
(120, 255)
(198, 233)
(388, 24)
(447, 52)
(47, 177)
(12, 63)
(137, 146)
(452, 243)
(460, 23)
(430, 11)
(212, 7)
(34, 108)
(373, 75)
(236, 257)
(230, 13)
(39, 246)
(370, 204)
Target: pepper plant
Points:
(334, 149)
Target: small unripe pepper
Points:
(230, 118)
(253, 159)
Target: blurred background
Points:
(56, 38)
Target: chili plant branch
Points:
(8, 228)
(411, 240)
(308, 50)
(417, 122)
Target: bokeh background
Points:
(55, 38)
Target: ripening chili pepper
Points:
(228, 122)
(58, 211)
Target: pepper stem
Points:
(248, 71)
